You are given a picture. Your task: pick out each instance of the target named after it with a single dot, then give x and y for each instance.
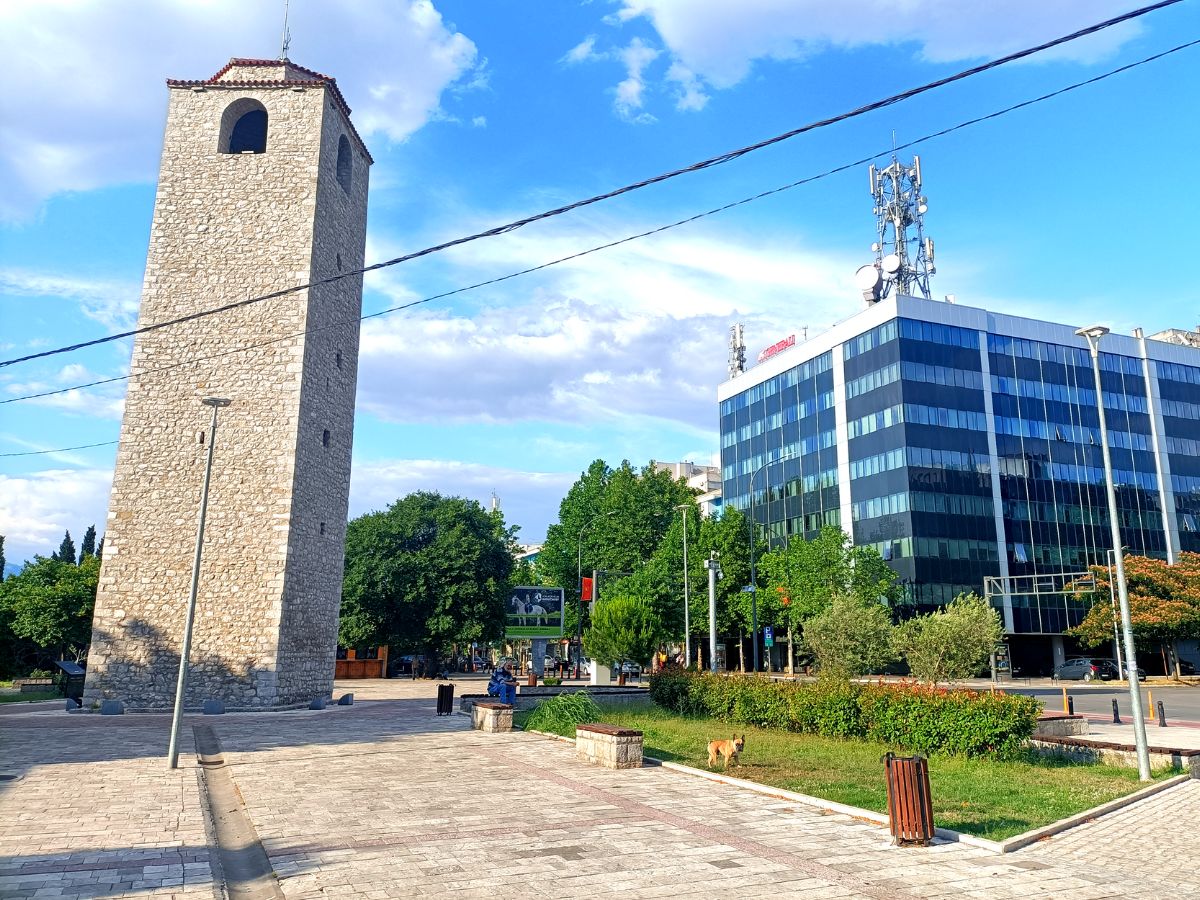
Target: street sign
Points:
(748, 589)
(768, 636)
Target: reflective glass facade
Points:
(963, 444)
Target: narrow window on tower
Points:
(202, 439)
(345, 164)
(243, 127)
(338, 359)
(322, 528)
(325, 438)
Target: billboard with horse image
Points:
(534, 612)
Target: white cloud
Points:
(719, 42)
(113, 303)
(634, 332)
(85, 101)
(584, 51)
(629, 92)
(36, 509)
(530, 499)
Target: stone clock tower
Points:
(262, 187)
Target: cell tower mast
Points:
(903, 255)
(737, 351)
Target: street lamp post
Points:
(1093, 335)
(579, 584)
(687, 627)
(753, 570)
(714, 572)
(181, 684)
(1112, 598)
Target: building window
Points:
(202, 439)
(322, 528)
(325, 438)
(338, 259)
(345, 164)
(243, 127)
(337, 359)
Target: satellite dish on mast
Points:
(890, 264)
(867, 278)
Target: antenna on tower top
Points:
(737, 350)
(286, 40)
(903, 255)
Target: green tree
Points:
(50, 603)
(2, 560)
(623, 515)
(88, 546)
(851, 637)
(952, 643)
(66, 550)
(623, 628)
(1164, 604)
(427, 572)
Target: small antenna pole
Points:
(286, 40)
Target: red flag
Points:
(587, 590)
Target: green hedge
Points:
(916, 718)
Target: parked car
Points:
(1084, 669)
(1186, 668)
(1111, 670)
(630, 668)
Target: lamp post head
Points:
(1093, 332)
(217, 402)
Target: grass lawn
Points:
(24, 698)
(988, 798)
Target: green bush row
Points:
(913, 717)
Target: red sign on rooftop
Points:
(789, 341)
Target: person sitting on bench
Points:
(504, 684)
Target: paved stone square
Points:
(385, 799)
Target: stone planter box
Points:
(1060, 725)
(34, 685)
(1115, 754)
(487, 715)
(608, 746)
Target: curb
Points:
(1008, 845)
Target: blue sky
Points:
(1079, 209)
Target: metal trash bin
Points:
(445, 700)
(71, 680)
(910, 805)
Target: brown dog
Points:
(727, 749)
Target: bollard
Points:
(1162, 715)
(1064, 690)
(1071, 706)
(1116, 714)
(1150, 704)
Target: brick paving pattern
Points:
(384, 799)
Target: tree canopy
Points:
(425, 573)
(951, 643)
(1164, 602)
(50, 602)
(850, 637)
(624, 627)
(814, 572)
(623, 514)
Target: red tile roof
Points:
(317, 80)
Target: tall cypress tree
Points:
(66, 550)
(1, 557)
(100, 547)
(88, 545)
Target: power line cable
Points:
(695, 167)
(61, 449)
(724, 208)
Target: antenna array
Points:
(903, 255)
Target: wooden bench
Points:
(608, 746)
(487, 715)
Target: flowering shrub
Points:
(914, 717)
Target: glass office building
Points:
(964, 444)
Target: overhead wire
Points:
(627, 239)
(61, 449)
(557, 211)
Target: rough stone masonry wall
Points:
(227, 227)
(321, 488)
